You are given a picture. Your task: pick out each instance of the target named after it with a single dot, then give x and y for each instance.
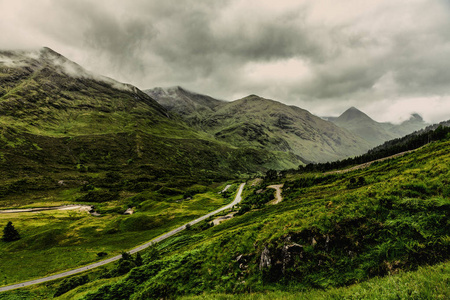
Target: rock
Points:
(129, 211)
(288, 251)
(265, 261)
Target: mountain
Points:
(414, 123)
(264, 124)
(45, 93)
(184, 102)
(373, 132)
(55, 116)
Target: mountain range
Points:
(56, 116)
(52, 109)
(269, 124)
(169, 156)
(376, 133)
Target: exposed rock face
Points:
(265, 261)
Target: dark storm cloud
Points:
(321, 55)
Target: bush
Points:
(98, 196)
(71, 283)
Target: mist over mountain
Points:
(192, 106)
(376, 133)
(44, 92)
(56, 115)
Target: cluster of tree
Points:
(354, 183)
(409, 142)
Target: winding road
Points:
(160, 238)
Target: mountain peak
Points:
(415, 117)
(47, 50)
(353, 114)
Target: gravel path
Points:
(278, 197)
(37, 209)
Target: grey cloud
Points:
(392, 50)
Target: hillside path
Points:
(278, 197)
(160, 238)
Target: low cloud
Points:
(320, 55)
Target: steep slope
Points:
(328, 231)
(45, 93)
(184, 102)
(264, 124)
(373, 132)
(54, 115)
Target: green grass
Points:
(342, 231)
(64, 240)
(431, 282)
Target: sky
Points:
(387, 58)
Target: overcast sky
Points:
(388, 58)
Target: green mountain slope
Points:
(328, 231)
(45, 93)
(272, 125)
(55, 115)
(263, 124)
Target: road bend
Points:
(160, 238)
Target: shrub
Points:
(10, 234)
(71, 283)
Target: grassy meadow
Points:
(57, 240)
(382, 232)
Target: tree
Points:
(138, 260)
(271, 174)
(10, 233)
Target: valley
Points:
(305, 205)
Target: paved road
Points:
(237, 199)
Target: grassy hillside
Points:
(263, 124)
(329, 231)
(68, 136)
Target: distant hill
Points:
(375, 133)
(263, 124)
